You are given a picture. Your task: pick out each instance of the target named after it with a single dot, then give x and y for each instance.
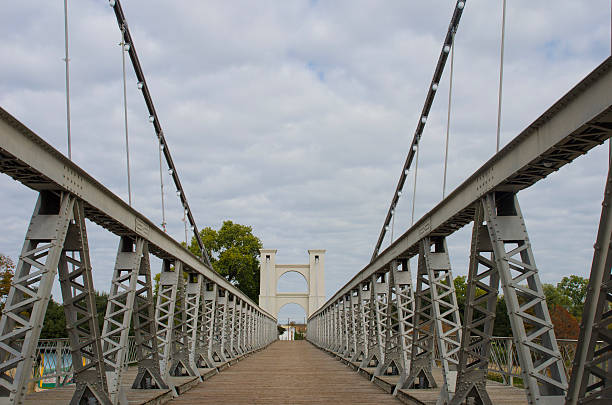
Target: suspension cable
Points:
(142, 84)
(161, 186)
(67, 60)
(448, 116)
(452, 28)
(416, 173)
(124, 48)
(501, 75)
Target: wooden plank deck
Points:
(63, 395)
(499, 393)
(287, 372)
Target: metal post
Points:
(145, 330)
(218, 347)
(378, 311)
(363, 308)
(26, 303)
(80, 308)
(479, 316)
(208, 325)
(541, 363)
(421, 352)
(404, 300)
(347, 311)
(120, 311)
(230, 326)
(193, 310)
(447, 323)
(165, 314)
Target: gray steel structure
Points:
(500, 254)
(172, 337)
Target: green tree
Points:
(234, 253)
(501, 325)
(7, 271)
(575, 289)
(54, 325)
(555, 297)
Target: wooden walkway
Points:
(287, 372)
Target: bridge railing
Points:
(53, 362)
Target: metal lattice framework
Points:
(376, 328)
(481, 299)
(531, 325)
(501, 254)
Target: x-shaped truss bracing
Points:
(377, 322)
(56, 240)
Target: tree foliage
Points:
(575, 289)
(234, 253)
(501, 325)
(7, 271)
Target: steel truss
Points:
(348, 336)
(362, 322)
(399, 327)
(230, 327)
(219, 351)
(174, 361)
(130, 299)
(194, 300)
(421, 353)
(534, 337)
(377, 324)
(591, 378)
(479, 316)
(209, 301)
(355, 325)
(56, 240)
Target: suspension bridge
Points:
(201, 340)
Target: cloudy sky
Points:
(295, 117)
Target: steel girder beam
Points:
(378, 313)
(130, 282)
(591, 378)
(479, 316)
(534, 337)
(56, 229)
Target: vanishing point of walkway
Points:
(287, 372)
